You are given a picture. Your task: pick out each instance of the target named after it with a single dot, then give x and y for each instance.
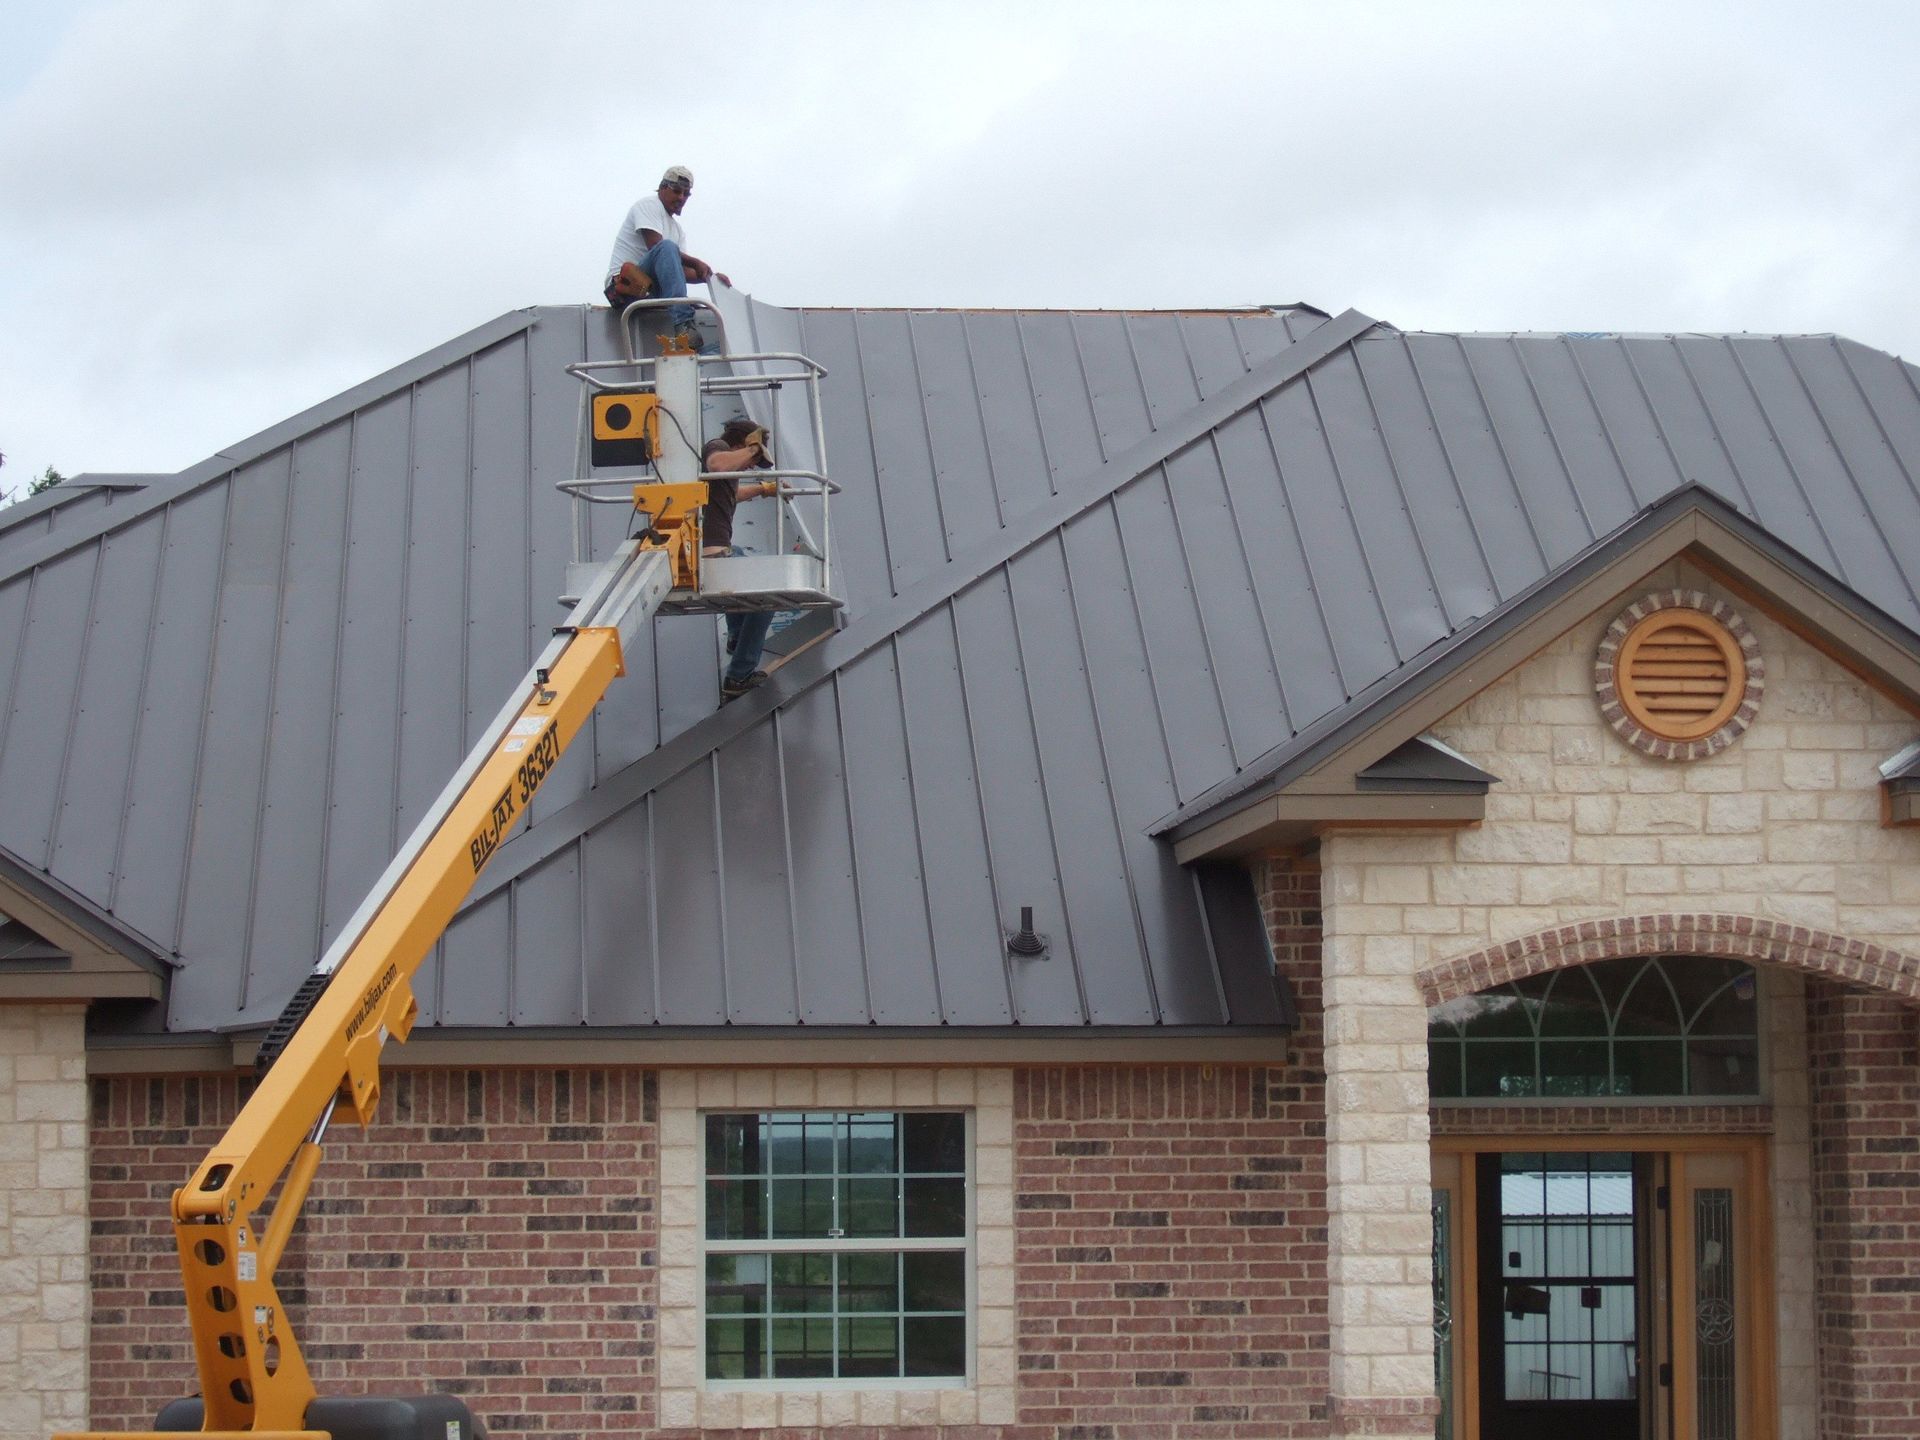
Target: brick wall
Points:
(492, 1236)
(1865, 1084)
(1171, 1251)
(1171, 1260)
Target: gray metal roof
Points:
(1097, 566)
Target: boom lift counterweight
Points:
(321, 1058)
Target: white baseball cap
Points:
(678, 175)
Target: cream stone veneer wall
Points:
(43, 1220)
(684, 1094)
(1783, 825)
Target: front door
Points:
(1601, 1295)
(1560, 1344)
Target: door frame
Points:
(1758, 1357)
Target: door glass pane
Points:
(1567, 1277)
(1713, 1310)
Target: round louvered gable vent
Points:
(1679, 675)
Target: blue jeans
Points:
(669, 275)
(746, 636)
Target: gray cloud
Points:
(229, 211)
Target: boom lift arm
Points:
(323, 1054)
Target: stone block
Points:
(1807, 770)
(833, 1089)
(793, 1087)
(1433, 920)
(1409, 1373)
(1563, 885)
(1815, 911)
(1714, 778)
(720, 1410)
(679, 1205)
(50, 1100)
(1828, 735)
(1575, 746)
(839, 1407)
(1734, 814)
(1557, 809)
(1504, 804)
(1785, 805)
(880, 1408)
(753, 1089)
(1403, 1304)
(1810, 841)
(955, 1407)
(1396, 885)
(63, 1170)
(1649, 879)
(1859, 805)
(717, 1088)
(1616, 850)
(919, 1407)
(1713, 849)
(759, 1410)
(993, 1089)
(798, 1410)
(679, 1286)
(913, 1087)
(679, 1409)
(1610, 779)
(1663, 814)
(1519, 843)
(1476, 885)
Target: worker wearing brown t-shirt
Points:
(741, 445)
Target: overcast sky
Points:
(213, 215)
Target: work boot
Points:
(732, 689)
(688, 334)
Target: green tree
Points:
(45, 480)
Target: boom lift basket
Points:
(647, 413)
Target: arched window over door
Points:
(1639, 1027)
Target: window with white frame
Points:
(838, 1246)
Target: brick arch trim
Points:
(1745, 937)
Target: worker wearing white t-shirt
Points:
(647, 254)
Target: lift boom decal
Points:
(516, 793)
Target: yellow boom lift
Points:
(321, 1059)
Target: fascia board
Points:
(165, 490)
(651, 771)
(69, 987)
(75, 924)
(651, 1049)
(1279, 821)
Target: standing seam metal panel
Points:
(96, 765)
(283, 922)
(173, 721)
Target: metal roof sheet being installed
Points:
(1095, 564)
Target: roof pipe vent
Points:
(1023, 943)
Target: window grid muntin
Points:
(1531, 997)
(1558, 1251)
(961, 1244)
